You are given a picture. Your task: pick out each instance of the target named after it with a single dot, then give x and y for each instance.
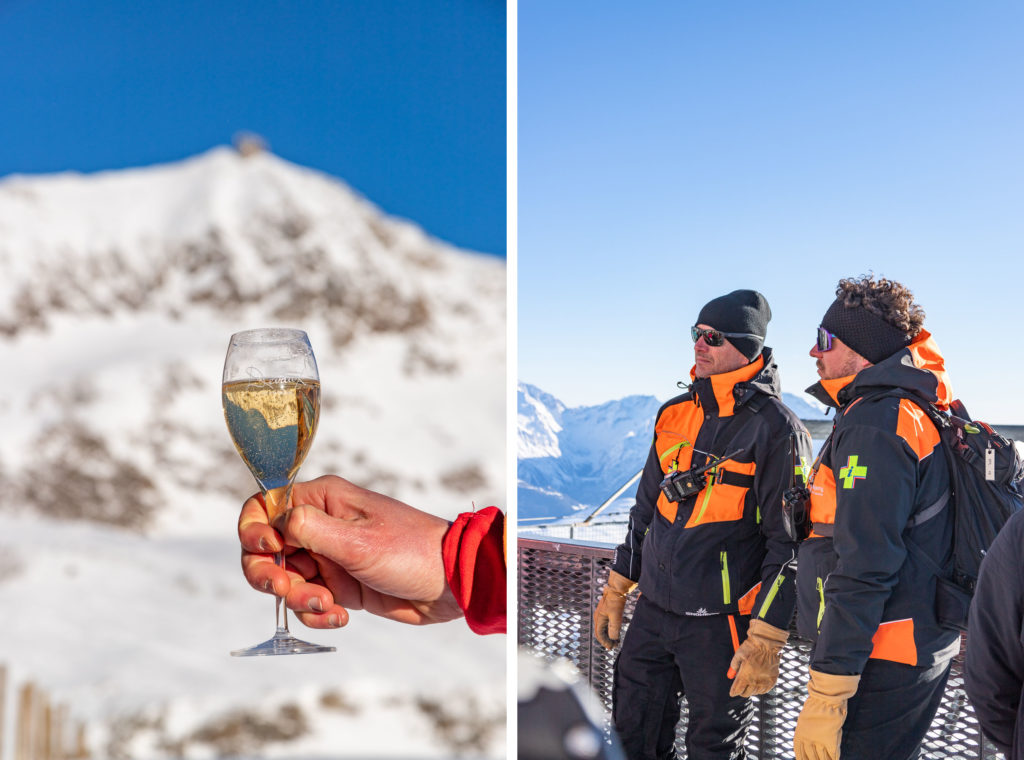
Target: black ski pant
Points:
(892, 710)
(665, 656)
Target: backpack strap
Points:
(926, 514)
(939, 421)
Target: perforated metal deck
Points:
(559, 585)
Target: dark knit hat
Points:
(866, 333)
(742, 311)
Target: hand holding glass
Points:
(271, 398)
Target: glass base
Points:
(282, 643)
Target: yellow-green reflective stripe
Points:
(779, 580)
(726, 593)
(758, 514)
(669, 451)
(707, 497)
(821, 602)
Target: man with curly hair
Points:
(881, 532)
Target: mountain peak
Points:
(225, 232)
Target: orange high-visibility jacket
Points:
(723, 550)
(864, 588)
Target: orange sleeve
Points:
(473, 550)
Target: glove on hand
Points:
(608, 615)
(755, 665)
(819, 729)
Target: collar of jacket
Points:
(719, 392)
(918, 368)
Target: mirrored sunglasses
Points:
(824, 339)
(715, 338)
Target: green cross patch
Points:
(851, 472)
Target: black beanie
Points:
(866, 333)
(742, 311)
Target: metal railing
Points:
(559, 585)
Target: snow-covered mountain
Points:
(571, 460)
(118, 292)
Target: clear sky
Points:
(404, 99)
(670, 152)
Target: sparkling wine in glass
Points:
(271, 398)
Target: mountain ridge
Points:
(118, 293)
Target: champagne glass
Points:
(271, 398)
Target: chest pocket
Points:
(674, 453)
(724, 497)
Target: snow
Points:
(113, 378)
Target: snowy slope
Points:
(118, 292)
(572, 459)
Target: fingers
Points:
(254, 531)
(746, 685)
(393, 608)
(348, 592)
(263, 574)
(741, 687)
(315, 606)
(336, 617)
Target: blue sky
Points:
(672, 152)
(404, 100)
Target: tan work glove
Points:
(819, 728)
(608, 615)
(755, 666)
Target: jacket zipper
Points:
(821, 602)
(776, 585)
(707, 495)
(673, 448)
(726, 592)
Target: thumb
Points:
(614, 626)
(735, 664)
(312, 529)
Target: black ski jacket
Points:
(867, 574)
(994, 664)
(724, 549)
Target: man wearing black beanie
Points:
(708, 547)
(867, 573)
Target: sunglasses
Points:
(715, 338)
(824, 339)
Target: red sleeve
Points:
(474, 566)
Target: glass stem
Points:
(281, 611)
(276, 501)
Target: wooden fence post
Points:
(81, 751)
(45, 728)
(23, 732)
(41, 730)
(60, 730)
(3, 709)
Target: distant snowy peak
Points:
(225, 232)
(539, 423)
(805, 407)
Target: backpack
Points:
(986, 478)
